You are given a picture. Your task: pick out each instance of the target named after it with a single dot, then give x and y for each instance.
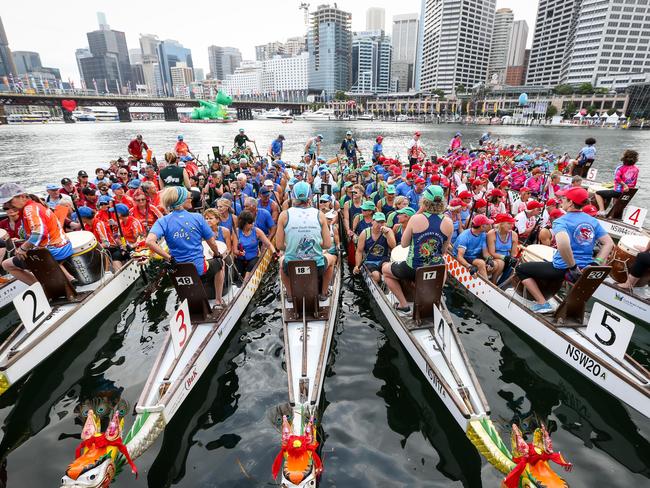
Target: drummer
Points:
(428, 230)
(374, 246)
(184, 232)
(42, 229)
(576, 234)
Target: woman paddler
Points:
(184, 232)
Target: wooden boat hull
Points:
(571, 345)
(155, 410)
(22, 352)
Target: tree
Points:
(563, 90)
(340, 95)
(569, 110)
(601, 91)
(551, 111)
(592, 110)
(460, 88)
(585, 89)
(440, 93)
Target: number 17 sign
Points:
(180, 328)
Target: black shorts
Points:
(245, 266)
(641, 264)
(119, 254)
(607, 194)
(214, 266)
(539, 270)
(402, 271)
(374, 266)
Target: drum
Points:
(207, 252)
(4, 235)
(624, 255)
(399, 254)
(85, 264)
(536, 253)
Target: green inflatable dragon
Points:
(212, 110)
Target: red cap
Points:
(410, 176)
(497, 193)
(478, 181)
(458, 164)
(590, 210)
(416, 167)
(417, 133)
(380, 138)
(523, 189)
(501, 218)
(397, 171)
(444, 182)
(457, 202)
(551, 202)
(435, 177)
(575, 194)
(480, 203)
(504, 183)
(465, 194)
(481, 220)
(533, 204)
(556, 213)
(419, 180)
(447, 170)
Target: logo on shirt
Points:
(584, 234)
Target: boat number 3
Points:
(184, 280)
(182, 326)
(303, 270)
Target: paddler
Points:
(374, 246)
(181, 148)
(42, 229)
(427, 236)
(173, 174)
(576, 234)
(349, 148)
(136, 146)
(639, 267)
(129, 227)
(471, 250)
(104, 234)
(184, 232)
(276, 147)
(625, 178)
(144, 211)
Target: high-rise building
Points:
(552, 41)
(151, 64)
(79, 54)
(516, 58)
(405, 40)
(455, 43)
(611, 38)
(497, 64)
(246, 80)
(295, 46)
(371, 62)
(199, 74)
(223, 61)
(135, 55)
(329, 42)
(109, 66)
(137, 71)
(182, 77)
(7, 65)
(288, 73)
(170, 54)
(268, 50)
(375, 19)
(27, 61)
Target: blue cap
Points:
(116, 186)
(134, 184)
(320, 136)
(121, 209)
(180, 137)
(293, 181)
(85, 212)
(104, 199)
(53, 186)
(325, 198)
(301, 191)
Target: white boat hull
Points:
(22, 352)
(10, 291)
(633, 305)
(568, 344)
(618, 229)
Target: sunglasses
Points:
(140, 199)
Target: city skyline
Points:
(146, 17)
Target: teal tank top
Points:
(426, 246)
(303, 237)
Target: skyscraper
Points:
(151, 64)
(27, 61)
(223, 61)
(371, 62)
(552, 41)
(375, 19)
(405, 40)
(329, 42)
(80, 54)
(611, 38)
(503, 20)
(268, 50)
(516, 58)
(7, 65)
(170, 53)
(455, 43)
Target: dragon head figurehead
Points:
(94, 464)
(532, 460)
(301, 464)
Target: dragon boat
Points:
(198, 331)
(593, 344)
(53, 310)
(10, 290)
(308, 327)
(429, 337)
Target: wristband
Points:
(599, 260)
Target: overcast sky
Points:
(56, 29)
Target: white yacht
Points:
(366, 116)
(320, 114)
(273, 114)
(34, 117)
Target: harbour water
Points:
(382, 426)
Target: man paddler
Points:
(136, 146)
(42, 228)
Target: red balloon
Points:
(69, 105)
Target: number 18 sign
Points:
(180, 327)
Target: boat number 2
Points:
(32, 306)
(36, 315)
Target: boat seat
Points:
(429, 281)
(616, 212)
(188, 285)
(572, 310)
(549, 288)
(582, 170)
(303, 277)
(49, 274)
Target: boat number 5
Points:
(180, 327)
(609, 330)
(32, 306)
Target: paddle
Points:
(76, 209)
(119, 225)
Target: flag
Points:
(95, 83)
(106, 84)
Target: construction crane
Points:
(305, 6)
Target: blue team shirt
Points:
(183, 232)
(264, 220)
(588, 152)
(248, 190)
(403, 189)
(473, 245)
(414, 199)
(583, 231)
(276, 147)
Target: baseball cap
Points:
(53, 186)
(590, 210)
(575, 194)
(432, 192)
(465, 194)
(497, 193)
(390, 189)
(419, 180)
(416, 167)
(116, 186)
(325, 198)
(104, 199)
(180, 137)
(410, 176)
(501, 218)
(533, 204)
(301, 191)
(264, 191)
(556, 213)
(243, 160)
(82, 174)
(417, 133)
(481, 220)
(85, 212)
(379, 217)
(348, 133)
(551, 202)
(504, 184)
(10, 190)
(366, 167)
(65, 181)
(406, 211)
(367, 205)
(347, 184)
(133, 184)
(241, 130)
(268, 183)
(457, 202)
(480, 203)
(524, 189)
(121, 209)
(320, 136)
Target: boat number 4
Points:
(634, 215)
(610, 331)
(32, 306)
(180, 327)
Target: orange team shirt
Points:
(147, 218)
(181, 149)
(191, 168)
(132, 229)
(41, 226)
(126, 200)
(103, 233)
(154, 180)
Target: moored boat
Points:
(10, 290)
